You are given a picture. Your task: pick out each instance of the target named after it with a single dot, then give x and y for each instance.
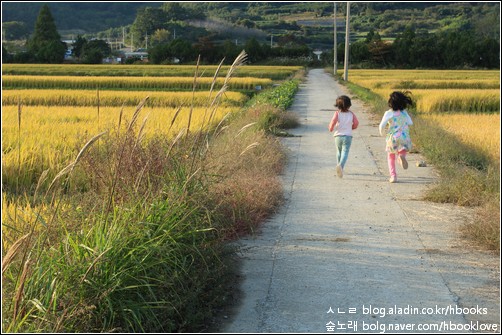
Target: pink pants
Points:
(391, 160)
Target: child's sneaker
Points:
(393, 179)
(403, 162)
(339, 171)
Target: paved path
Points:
(350, 251)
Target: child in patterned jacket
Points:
(398, 141)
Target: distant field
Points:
(271, 72)
(130, 83)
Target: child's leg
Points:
(391, 160)
(347, 141)
(338, 143)
(402, 159)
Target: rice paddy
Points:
(49, 111)
(129, 83)
(272, 72)
(65, 98)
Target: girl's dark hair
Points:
(400, 100)
(343, 103)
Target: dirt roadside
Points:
(358, 254)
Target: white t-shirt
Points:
(342, 123)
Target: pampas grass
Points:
(139, 246)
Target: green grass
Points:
(271, 107)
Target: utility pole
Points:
(335, 60)
(271, 39)
(347, 38)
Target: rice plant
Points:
(485, 136)
(34, 97)
(176, 83)
(272, 72)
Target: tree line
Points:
(442, 50)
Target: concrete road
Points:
(358, 254)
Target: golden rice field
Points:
(116, 98)
(481, 131)
(59, 127)
(129, 82)
(401, 75)
(465, 103)
(452, 100)
(437, 91)
(61, 107)
(256, 71)
(50, 136)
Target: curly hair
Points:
(343, 103)
(400, 100)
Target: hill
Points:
(275, 32)
(83, 17)
(310, 22)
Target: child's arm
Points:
(408, 119)
(355, 121)
(334, 121)
(386, 117)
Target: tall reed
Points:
(140, 250)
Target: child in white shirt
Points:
(343, 122)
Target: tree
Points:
(175, 12)
(100, 45)
(378, 49)
(147, 22)
(92, 56)
(159, 53)
(94, 51)
(6, 56)
(254, 50)
(487, 53)
(79, 45)
(206, 49)
(229, 51)
(160, 36)
(182, 50)
(15, 30)
(425, 52)
(45, 44)
(359, 52)
(401, 47)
